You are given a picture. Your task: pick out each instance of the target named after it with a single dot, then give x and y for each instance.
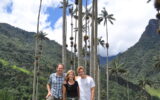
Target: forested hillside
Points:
(16, 62)
(137, 66)
(133, 75)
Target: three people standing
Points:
(81, 87)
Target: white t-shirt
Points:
(85, 85)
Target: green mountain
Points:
(139, 61)
(17, 60)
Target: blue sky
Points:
(52, 18)
(132, 16)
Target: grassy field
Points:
(153, 92)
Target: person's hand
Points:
(49, 94)
(65, 82)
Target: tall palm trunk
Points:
(107, 71)
(128, 89)
(37, 78)
(75, 41)
(64, 51)
(36, 56)
(95, 38)
(95, 46)
(80, 57)
(86, 34)
(92, 43)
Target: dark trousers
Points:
(53, 98)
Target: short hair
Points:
(60, 64)
(79, 68)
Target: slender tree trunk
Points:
(80, 57)
(92, 43)
(36, 56)
(127, 89)
(95, 38)
(107, 64)
(75, 42)
(95, 47)
(64, 51)
(86, 34)
(37, 90)
(99, 85)
(72, 55)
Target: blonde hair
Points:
(67, 75)
(79, 68)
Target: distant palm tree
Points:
(34, 97)
(116, 69)
(106, 17)
(142, 83)
(40, 37)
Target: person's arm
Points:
(92, 93)
(78, 92)
(49, 90)
(64, 92)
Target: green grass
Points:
(21, 69)
(153, 92)
(6, 64)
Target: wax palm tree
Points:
(116, 69)
(36, 57)
(143, 82)
(40, 37)
(75, 15)
(95, 61)
(65, 4)
(92, 40)
(80, 58)
(86, 36)
(106, 17)
(100, 42)
(71, 38)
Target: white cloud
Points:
(132, 16)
